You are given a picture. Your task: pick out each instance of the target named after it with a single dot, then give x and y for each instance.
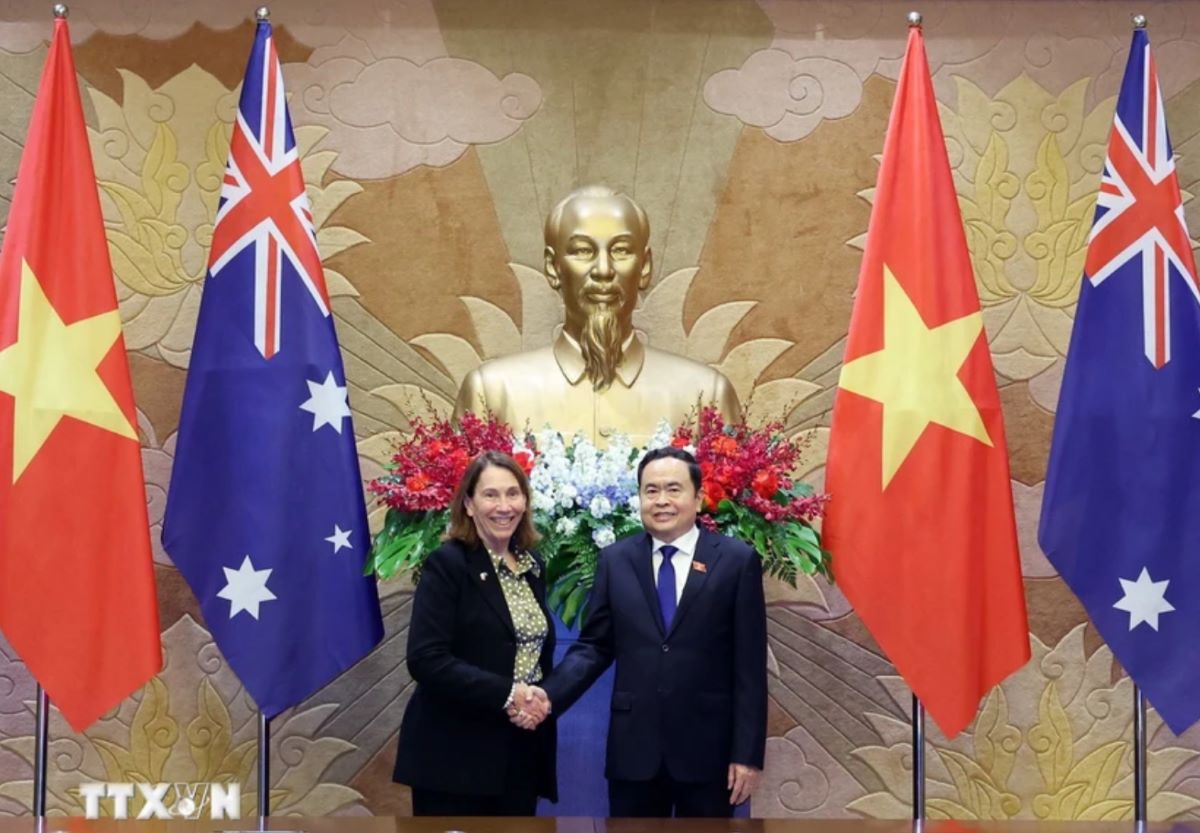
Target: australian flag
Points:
(265, 516)
(1121, 512)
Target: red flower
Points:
(428, 466)
(765, 484)
(725, 445)
(728, 476)
(681, 442)
(747, 465)
(714, 493)
(459, 459)
(524, 459)
(417, 483)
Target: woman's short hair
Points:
(462, 527)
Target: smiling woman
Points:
(474, 740)
(496, 507)
(491, 506)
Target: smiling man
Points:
(598, 376)
(681, 612)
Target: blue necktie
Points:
(666, 585)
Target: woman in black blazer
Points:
(479, 639)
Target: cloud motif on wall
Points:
(388, 116)
(786, 97)
(390, 28)
(801, 779)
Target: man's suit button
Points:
(666, 647)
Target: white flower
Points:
(566, 526)
(550, 441)
(577, 474)
(600, 507)
(662, 436)
(635, 504)
(567, 493)
(603, 536)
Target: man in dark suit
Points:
(681, 612)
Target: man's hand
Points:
(530, 707)
(742, 781)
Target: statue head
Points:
(598, 258)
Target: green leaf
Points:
(801, 490)
(760, 542)
(405, 542)
(557, 595)
(808, 534)
(574, 608)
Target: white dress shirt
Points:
(681, 561)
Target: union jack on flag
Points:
(1139, 211)
(263, 202)
(265, 516)
(1119, 519)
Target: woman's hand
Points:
(530, 706)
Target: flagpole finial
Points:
(262, 13)
(61, 11)
(914, 19)
(1139, 21)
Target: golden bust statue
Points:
(598, 376)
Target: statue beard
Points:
(600, 342)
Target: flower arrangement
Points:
(750, 494)
(424, 473)
(585, 497)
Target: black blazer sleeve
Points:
(431, 637)
(588, 658)
(750, 667)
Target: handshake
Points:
(530, 706)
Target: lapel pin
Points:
(483, 576)
(699, 566)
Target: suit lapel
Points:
(482, 574)
(707, 555)
(536, 579)
(643, 566)
(537, 583)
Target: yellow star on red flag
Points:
(51, 372)
(915, 376)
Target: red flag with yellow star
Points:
(77, 595)
(921, 517)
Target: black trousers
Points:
(664, 797)
(511, 803)
(525, 769)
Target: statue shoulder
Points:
(682, 364)
(497, 382)
(692, 376)
(505, 366)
